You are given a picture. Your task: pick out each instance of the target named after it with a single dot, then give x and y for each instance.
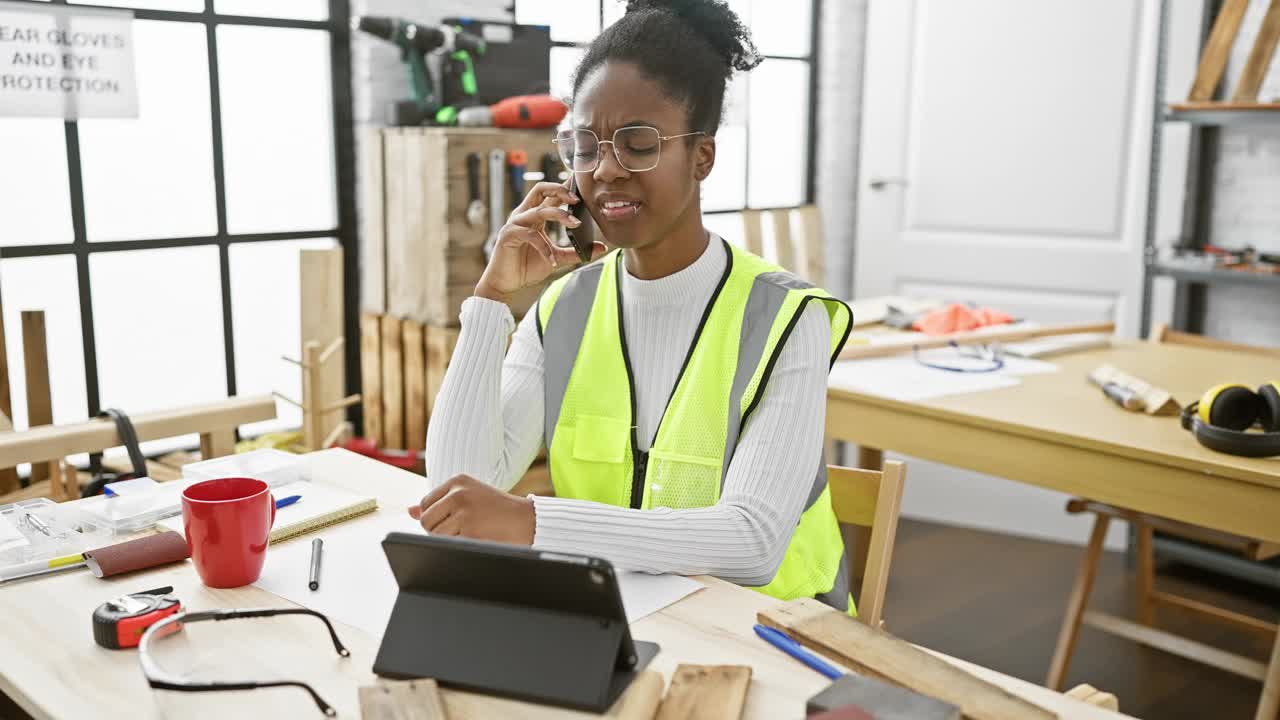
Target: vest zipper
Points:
(639, 464)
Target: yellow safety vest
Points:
(590, 428)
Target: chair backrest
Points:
(869, 501)
(799, 251)
(1162, 333)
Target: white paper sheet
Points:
(10, 537)
(357, 588)
(901, 377)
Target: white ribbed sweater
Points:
(487, 423)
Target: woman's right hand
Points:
(524, 255)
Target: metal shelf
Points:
(1225, 277)
(1227, 117)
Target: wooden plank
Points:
(812, 263)
(53, 441)
(1076, 604)
(415, 385)
(312, 389)
(1145, 579)
(784, 251)
(874, 652)
(217, 443)
(35, 356)
(1269, 703)
(322, 322)
(1177, 645)
(982, 335)
(373, 237)
(1268, 107)
(402, 700)
(641, 699)
(440, 344)
(706, 692)
(1213, 60)
(8, 476)
(392, 384)
(371, 376)
(1264, 49)
(752, 234)
(1093, 696)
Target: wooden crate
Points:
(402, 364)
(422, 258)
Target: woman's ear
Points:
(704, 157)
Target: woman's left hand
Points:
(466, 507)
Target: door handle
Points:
(880, 183)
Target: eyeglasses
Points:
(159, 679)
(637, 148)
(988, 358)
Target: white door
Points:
(1004, 160)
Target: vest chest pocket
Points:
(601, 439)
(681, 481)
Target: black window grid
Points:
(338, 27)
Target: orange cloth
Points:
(959, 318)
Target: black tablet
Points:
(512, 621)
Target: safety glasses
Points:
(637, 148)
(160, 679)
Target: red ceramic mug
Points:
(227, 523)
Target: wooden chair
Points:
(215, 422)
(1147, 598)
(867, 503)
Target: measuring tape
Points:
(119, 623)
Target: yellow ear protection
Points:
(1220, 419)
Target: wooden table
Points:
(1057, 431)
(51, 667)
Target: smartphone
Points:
(583, 237)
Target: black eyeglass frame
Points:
(160, 679)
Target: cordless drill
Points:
(416, 41)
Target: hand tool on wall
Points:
(497, 169)
(475, 206)
(524, 111)
(517, 162)
(416, 41)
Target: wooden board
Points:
(752, 234)
(1264, 49)
(8, 476)
(373, 237)
(415, 385)
(402, 700)
(706, 692)
(35, 356)
(440, 344)
(371, 376)
(1213, 60)
(879, 654)
(392, 384)
(812, 263)
(322, 310)
(784, 251)
(1252, 107)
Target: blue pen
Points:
(106, 490)
(784, 643)
(286, 502)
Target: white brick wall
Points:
(1246, 205)
(840, 64)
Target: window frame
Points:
(810, 59)
(338, 27)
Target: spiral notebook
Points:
(320, 506)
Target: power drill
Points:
(416, 41)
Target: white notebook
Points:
(320, 506)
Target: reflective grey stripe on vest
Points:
(561, 339)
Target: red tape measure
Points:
(119, 623)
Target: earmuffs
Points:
(1220, 419)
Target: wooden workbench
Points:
(51, 667)
(1058, 432)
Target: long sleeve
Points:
(744, 537)
(487, 419)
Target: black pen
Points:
(316, 546)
